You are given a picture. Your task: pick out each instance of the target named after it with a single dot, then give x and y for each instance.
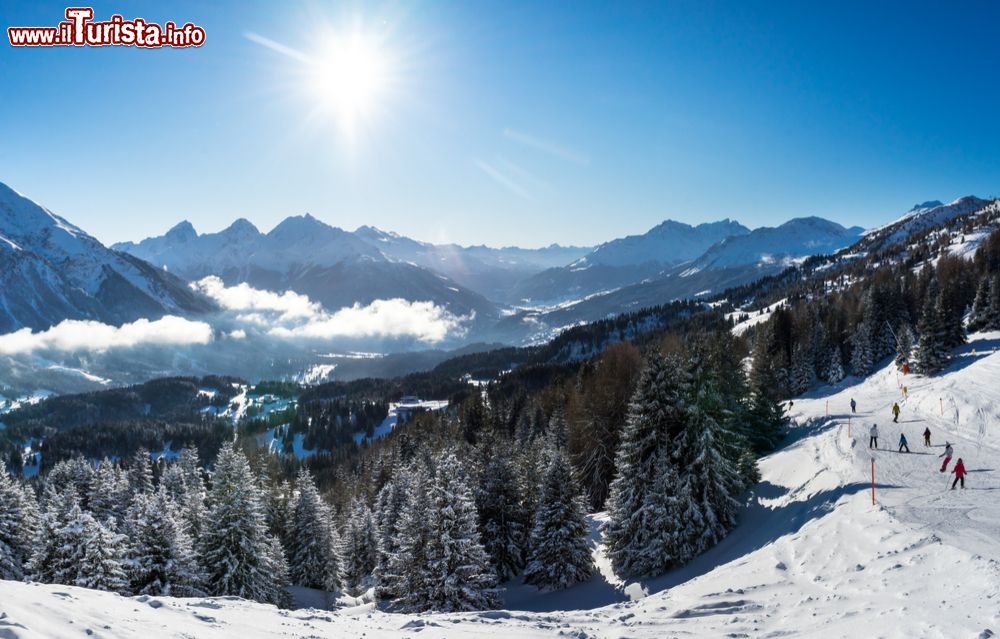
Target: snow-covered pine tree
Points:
(101, 567)
(140, 471)
(904, 344)
(236, 549)
(358, 548)
(18, 525)
(47, 556)
(559, 552)
(503, 525)
(862, 357)
(706, 479)
(388, 513)
(407, 575)
(992, 320)
(661, 517)
(656, 415)
(835, 372)
(160, 557)
(76, 473)
(75, 549)
(932, 350)
(312, 559)
(981, 305)
(458, 574)
(801, 376)
(110, 493)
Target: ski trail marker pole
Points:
(848, 426)
(827, 408)
(941, 399)
(873, 480)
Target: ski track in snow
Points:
(811, 557)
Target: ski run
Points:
(811, 556)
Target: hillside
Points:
(811, 555)
(52, 271)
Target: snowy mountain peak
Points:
(241, 227)
(182, 232)
(929, 204)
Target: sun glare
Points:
(349, 75)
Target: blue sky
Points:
(511, 122)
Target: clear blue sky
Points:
(512, 122)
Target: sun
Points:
(349, 76)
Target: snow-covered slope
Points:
(780, 245)
(625, 261)
(51, 270)
(811, 557)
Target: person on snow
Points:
(927, 436)
(959, 474)
(948, 452)
(895, 413)
(873, 441)
(902, 443)
(854, 406)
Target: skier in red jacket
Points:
(959, 471)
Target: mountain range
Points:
(51, 270)
(54, 270)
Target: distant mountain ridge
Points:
(50, 271)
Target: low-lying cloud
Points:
(424, 321)
(290, 315)
(89, 335)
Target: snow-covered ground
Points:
(811, 557)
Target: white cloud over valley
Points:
(89, 335)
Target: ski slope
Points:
(811, 557)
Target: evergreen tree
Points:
(801, 377)
(101, 565)
(458, 576)
(241, 558)
(161, 557)
(141, 472)
(312, 558)
(904, 345)
(111, 492)
(388, 513)
(48, 558)
(862, 355)
(358, 547)
(559, 554)
(991, 320)
(656, 415)
(18, 524)
(835, 372)
(661, 518)
(932, 351)
(707, 480)
(406, 577)
(981, 305)
(502, 519)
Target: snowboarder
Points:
(927, 436)
(948, 452)
(959, 474)
(902, 443)
(895, 413)
(854, 405)
(873, 441)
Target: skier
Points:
(895, 413)
(959, 474)
(948, 452)
(873, 441)
(927, 436)
(902, 443)
(854, 406)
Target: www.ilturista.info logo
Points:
(79, 30)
